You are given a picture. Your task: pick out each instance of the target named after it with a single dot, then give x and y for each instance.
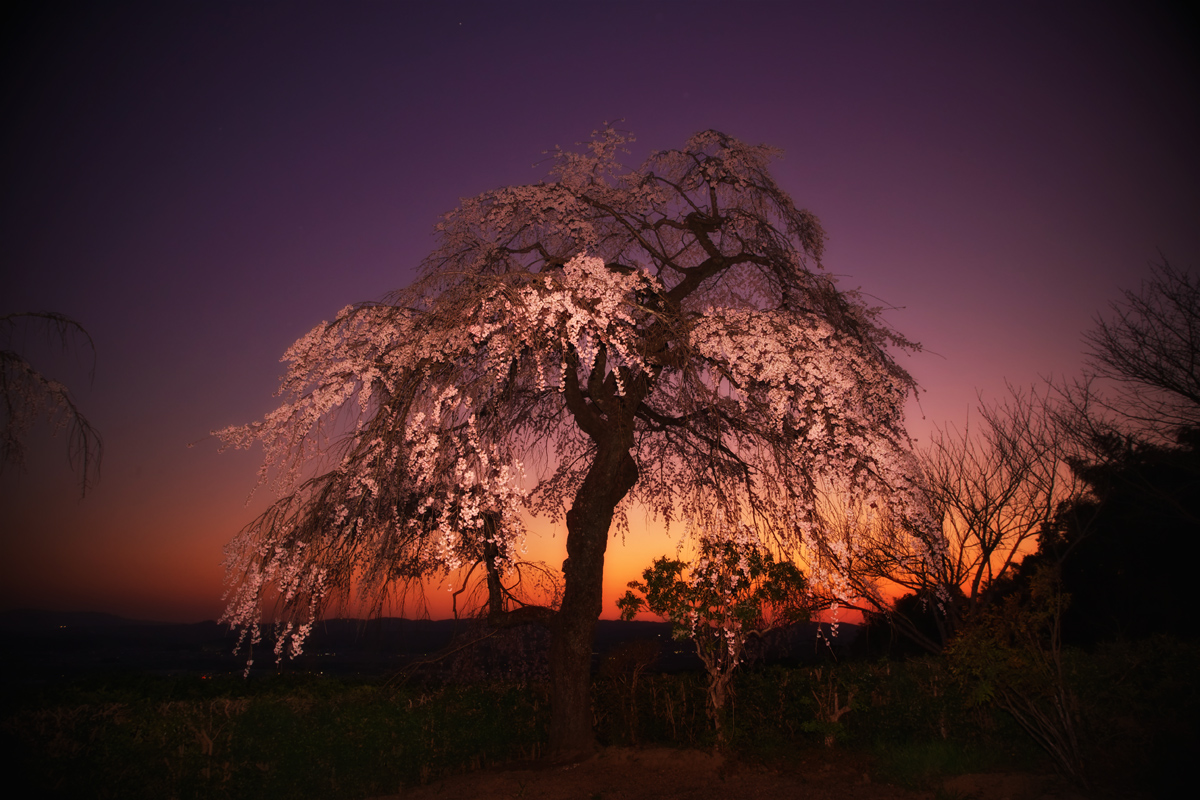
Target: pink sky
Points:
(201, 184)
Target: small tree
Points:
(662, 335)
(732, 591)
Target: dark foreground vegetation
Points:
(299, 735)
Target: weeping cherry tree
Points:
(663, 336)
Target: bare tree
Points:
(1141, 390)
(991, 491)
(661, 335)
(1144, 359)
(996, 493)
(27, 395)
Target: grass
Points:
(301, 736)
(312, 739)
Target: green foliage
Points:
(894, 704)
(625, 665)
(889, 702)
(319, 739)
(1125, 717)
(1012, 656)
(734, 590)
(743, 585)
(1140, 704)
(1014, 646)
(296, 736)
(671, 709)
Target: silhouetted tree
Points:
(1110, 563)
(1121, 547)
(1135, 417)
(912, 624)
(1146, 356)
(662, 335)
(1055, 461)
(26, 395)
(990, 490)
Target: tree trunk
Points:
(495, 588)
(609, 479)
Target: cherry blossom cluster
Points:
(291, 574)
(458, 478)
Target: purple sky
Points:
(200, 183)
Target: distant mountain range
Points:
(39, 619)
(40, 645)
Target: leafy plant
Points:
(732, 591)
(1013, 656)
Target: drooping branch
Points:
(661, 335)
(26, 394)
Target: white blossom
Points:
(681, 306)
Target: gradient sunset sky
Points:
(199, 184)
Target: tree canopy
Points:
(663, 335)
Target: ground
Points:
(670, 774)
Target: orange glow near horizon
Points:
(159, 566)
(624, 562)
(1026, 179)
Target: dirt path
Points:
(641, 774)
(656, 773)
